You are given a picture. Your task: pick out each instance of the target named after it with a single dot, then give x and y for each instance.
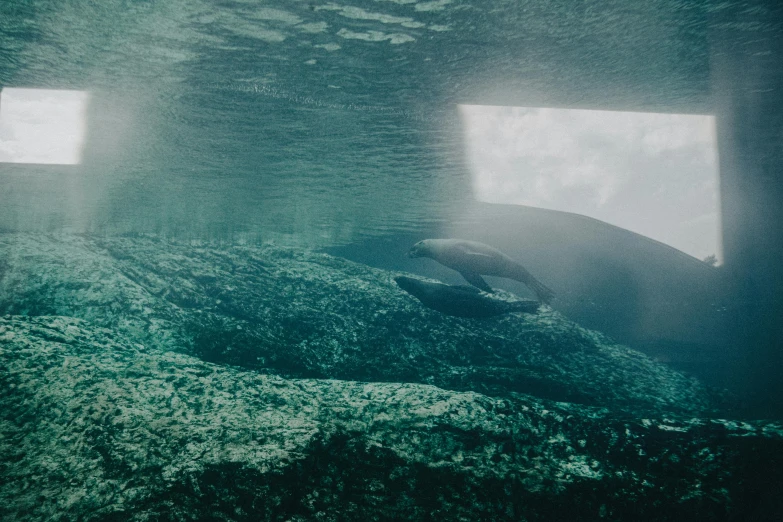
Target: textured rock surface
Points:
(143, 381)
(303, 314)
(93, 427)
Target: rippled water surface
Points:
(316, 121)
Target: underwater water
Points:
(212, 308)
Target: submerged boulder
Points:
(302, 314)
(95, 426)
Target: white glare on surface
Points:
(654, 174)
(42, 126)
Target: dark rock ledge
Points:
(125, 395)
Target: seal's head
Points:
(406, 283)
(416, 287)
(421, 249)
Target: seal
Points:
(461, 301)
(473, 259)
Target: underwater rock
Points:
(302, 314)
(94, 426)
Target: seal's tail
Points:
(528, 306)
(543, 292)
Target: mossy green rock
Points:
(93, 427)
(302, 314)
(144, 380)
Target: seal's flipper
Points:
(543, 293)
(477, 281)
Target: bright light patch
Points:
(42, 126)
(654, 174)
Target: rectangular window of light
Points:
(42, 126)
(654, 174)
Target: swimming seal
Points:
(473, 259)
(461, 301)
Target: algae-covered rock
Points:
(302, 314)
(94, 426)
(148, 380)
